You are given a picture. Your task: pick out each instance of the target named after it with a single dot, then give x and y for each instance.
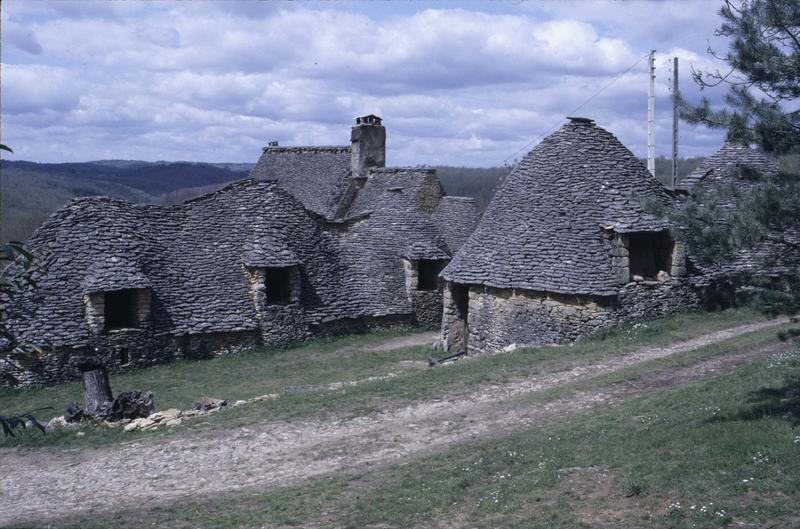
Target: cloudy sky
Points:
(458, 83)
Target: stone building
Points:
(565, 249)
(730, 174)
(732, 163)
(318, 241)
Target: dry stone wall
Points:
(648, 300)
(126, 349)
(501, 319)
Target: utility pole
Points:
(651, 114)
(675, 122)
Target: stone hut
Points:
(731, 164)
(564, 249)
(318, 241)
(738, 168)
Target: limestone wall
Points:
(500, 319)
(359, 325)
(428, 308)
(427, 304)
(282, 325)
(122, 350)
(652, 299)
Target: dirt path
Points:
(410, 340)
(51, 485)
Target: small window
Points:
(429, 274)
(278, 284)
(649, 253)
(124, 357)
(120, 309)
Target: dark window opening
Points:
(124, 357)
(120, 309)
(649, 253)
(459, 329)
(460, 295)
(428, 272)
(279, 290)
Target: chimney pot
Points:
(367, 145)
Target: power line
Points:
(572, 112)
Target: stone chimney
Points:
(367, 145)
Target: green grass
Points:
(237, 376)
(720, 445)
(265, 371)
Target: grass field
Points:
(708, 454)
(262, 371)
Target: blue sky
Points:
(457, 83)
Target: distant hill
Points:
(476, 182)
(664, 167)
(32, 191)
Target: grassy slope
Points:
(709, 454)
(264, 371)
(239, 376)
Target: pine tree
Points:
(762, 76)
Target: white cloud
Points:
(21, 38)
(33, 88)
(165, 80)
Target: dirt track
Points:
(51, 485)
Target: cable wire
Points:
(571, 113)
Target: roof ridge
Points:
(458, 198)
(426, 170)
(308, 148)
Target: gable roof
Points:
(543, 230)
(456, 218)
(724, 162)
(318, 177)
(399, 202)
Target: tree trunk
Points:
(96, 390)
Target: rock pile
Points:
(170, 417)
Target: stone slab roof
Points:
(114, 273)
(399, 202)
(543, 230)
(456, 218)
(191, 255)
(724, 167)
(729, 158)
(194, 256)
(317, 176)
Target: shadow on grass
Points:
(764, 403)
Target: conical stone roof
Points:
(724, 163)
(545, 227)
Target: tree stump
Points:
(96, 387)
(96, 390)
